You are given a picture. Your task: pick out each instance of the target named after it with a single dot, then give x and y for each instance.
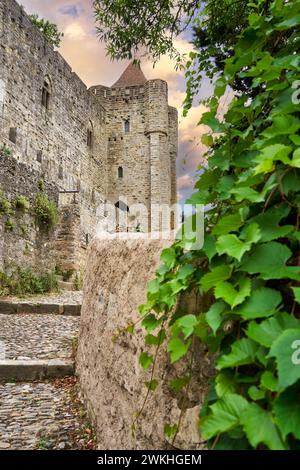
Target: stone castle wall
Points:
(77, 139)
(24, 245)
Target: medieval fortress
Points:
(91, 147)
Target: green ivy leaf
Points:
(232, 246)
(268, 223)
(218, 274)
(242, 352)
(145, 360)
(269, 259)
(225, 383)
(228, 223)
(177, 349)
(170, 430)
(168, 256)
(266, 332)
(150, 322)
(296, 291)
(233, 297)
(262, 303)
(287, 412)
(224, 415)
(178, 384)
(187, 324)
(207, 139)
(268, 381)
(296, 158)
(287, 359)
(158, 340)
(152, 385)
(213, 316)
(259, 427)
(269, 154)
(256, 393)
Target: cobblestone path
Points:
(42, 414)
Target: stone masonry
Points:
(114, 145)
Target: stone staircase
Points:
(38, 339)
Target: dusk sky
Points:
(86, 55)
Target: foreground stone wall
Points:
(112, 381)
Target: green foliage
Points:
(23, 281)
(5, 205)
(45, 212)
(5, 151)
(78, 281)
(248, 268)
(9, 225)
(41, 185)
(50, 30)
(21, 203)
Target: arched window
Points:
(46, 93)
(90, 135)
(120, 172)
(127, 126)
(122, 206)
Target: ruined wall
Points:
(112, 382)
(52, 141)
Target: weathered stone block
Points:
(107, 362)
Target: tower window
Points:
(90, 135)
(127, 126)
(89, 138)
(120, 172)
(13, 134)
(46, 94)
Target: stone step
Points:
(9, 307)
(35, 369)
(26, 340)
(66, 286)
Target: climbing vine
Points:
(248, 269)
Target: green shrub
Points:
(5, 151)
(23, 229)
(78, 281)
(66, 274)
(5, 205)
(24, 281)
(41, 185)
(45, 212)
(21, 203)
(9, 225)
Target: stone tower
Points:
(142, 143)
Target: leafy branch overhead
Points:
(50, 30)
(249, 266)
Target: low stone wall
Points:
(112, 381)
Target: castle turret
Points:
(157, 130)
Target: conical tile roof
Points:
(132, 76)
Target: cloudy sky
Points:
(86, 55)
